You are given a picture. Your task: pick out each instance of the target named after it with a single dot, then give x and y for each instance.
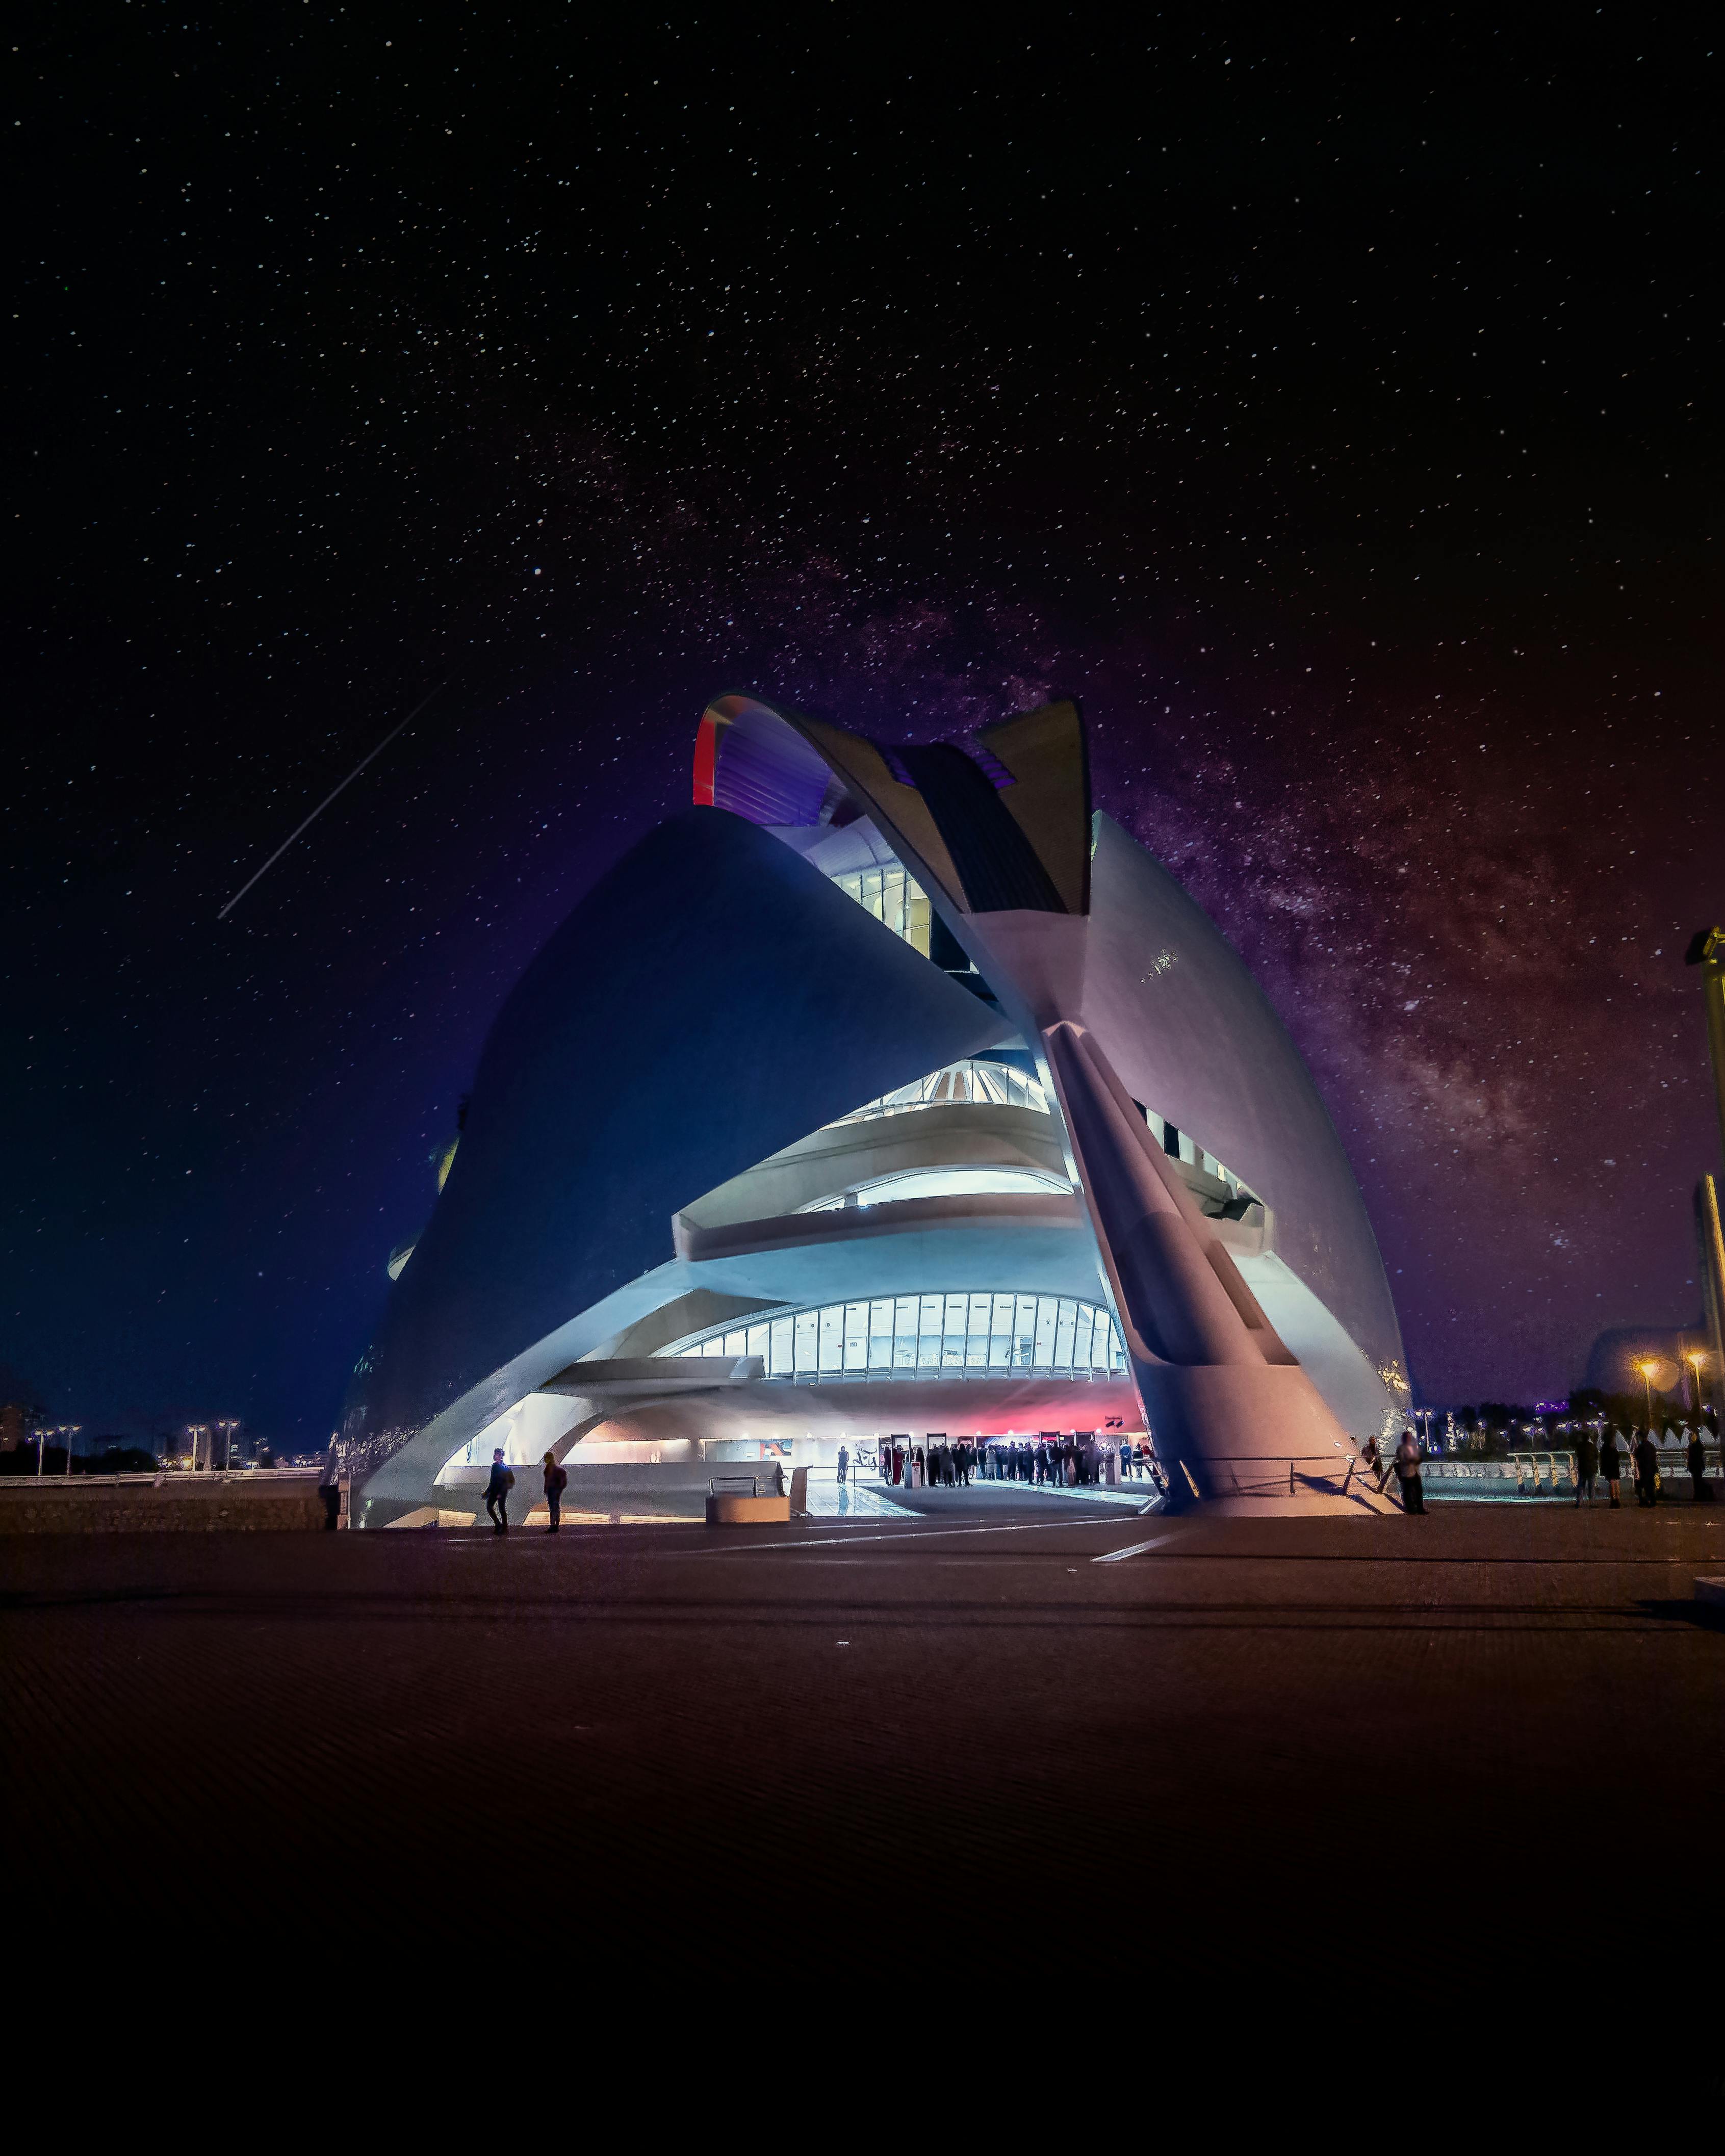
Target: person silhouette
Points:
(497, 1491)
(556, 1480)
(329, 1487)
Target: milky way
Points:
(1334, 417)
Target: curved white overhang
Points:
(844, 1155)
(946, 1180)
(852, 1223)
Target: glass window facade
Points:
(1174, 1140)
(979, 1080)
(982, 1334)
(894, 899)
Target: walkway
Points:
(1280, 1759)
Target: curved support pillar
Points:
(1237, 1423)
(1254, 1441)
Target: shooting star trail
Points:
(327, 798)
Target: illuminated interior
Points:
(974, 1335)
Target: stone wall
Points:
(32, 1508)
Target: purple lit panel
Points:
(990, 764)
(768, 774)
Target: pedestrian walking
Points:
(843, 1464)
(1698, 1469)
(1407, 1469)
(556, 1480)
(497, 1491)
(1587, 1466)
(329, 1488)
(1645, 1454)
(1611, 1466)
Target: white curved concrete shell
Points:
(963, 1048)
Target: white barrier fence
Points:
(1548, 1474)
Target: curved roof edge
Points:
(1192, 1033)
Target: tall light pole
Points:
(72, 1431)
(1695, 1362)
(1646, 1370)
(1707, 950)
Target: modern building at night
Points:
(886, 1090)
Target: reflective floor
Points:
(856, 1501)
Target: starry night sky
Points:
(1333, 410)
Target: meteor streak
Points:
(328, 798)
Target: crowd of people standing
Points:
(1079, 1457)
(1602, 1458)
(1070, 1459)
(1605, 1457)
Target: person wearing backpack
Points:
(556, 1480)
(497, 1491)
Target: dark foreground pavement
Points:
(1481, 1754)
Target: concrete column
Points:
(1236, 1421)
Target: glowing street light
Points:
(1646, 1370)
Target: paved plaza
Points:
(1473, 1753)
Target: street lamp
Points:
(1646, 1370)
(1695, 1361)
(227, 1430)
(72, 1431)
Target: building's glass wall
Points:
(894, 898)
(980, 1081)
(980, 1335)
(1183, 1144)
